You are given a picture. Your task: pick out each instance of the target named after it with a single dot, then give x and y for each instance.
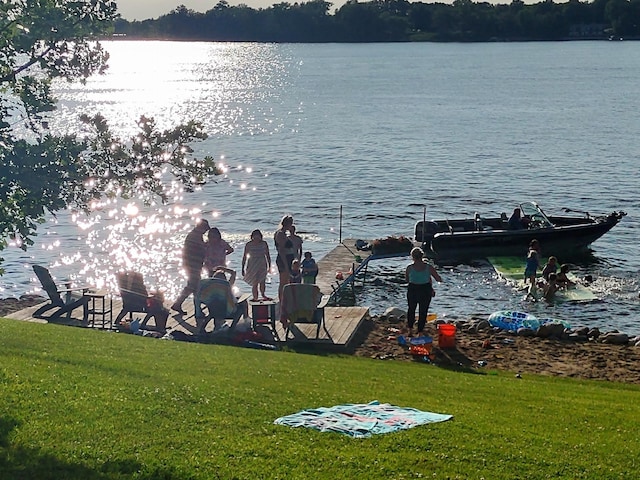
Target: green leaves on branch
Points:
(35, 178)
(143, 166)
(40, 172)
(54, 173)
(56, 36)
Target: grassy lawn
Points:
(82, 404)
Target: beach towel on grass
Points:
(361, 420)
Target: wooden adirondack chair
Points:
(302, 303)
(136, 299)
(64, 300)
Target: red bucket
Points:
(446, 335)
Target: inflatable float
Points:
(512, 320)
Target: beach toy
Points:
(420, 350)
(423, 340)
(546, 321)
(421, 347)
(447, 335)
(513, 320)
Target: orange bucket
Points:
(446, 335)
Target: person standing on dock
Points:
(284, 246)
(296, 273)
(216, 251)
(256, 261)
(296, 241)
(193, 254)
(309, 268)
(420, 289)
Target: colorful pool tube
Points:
(512, 320)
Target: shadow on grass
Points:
(453, 359)
(450, 359)
(25, 463)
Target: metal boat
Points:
(480, 237)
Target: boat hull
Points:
(461, 240)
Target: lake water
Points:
(381, 130)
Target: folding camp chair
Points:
(73, 297)
(302, 303)
(136, 299)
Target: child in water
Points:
(550, 288)
(562, 279)
(531, 267)
(550, 267)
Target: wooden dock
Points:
(346, 260)
(340, 324)
(340, 327)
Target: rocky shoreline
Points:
(9, 305)
(580, 353)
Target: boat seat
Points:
(477, 223)
(505, 221)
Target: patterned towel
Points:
(217, 292)
(361, 420)
(299, 301)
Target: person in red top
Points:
(193, 254)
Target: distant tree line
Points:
(395, 21)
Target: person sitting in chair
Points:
(217, 294)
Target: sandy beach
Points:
(482, 351)
(492, 350)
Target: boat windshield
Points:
(537, 216)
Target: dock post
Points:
(340, 224)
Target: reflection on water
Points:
(476, 290)
(128, 235)
(232, 88)
(383, 130)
